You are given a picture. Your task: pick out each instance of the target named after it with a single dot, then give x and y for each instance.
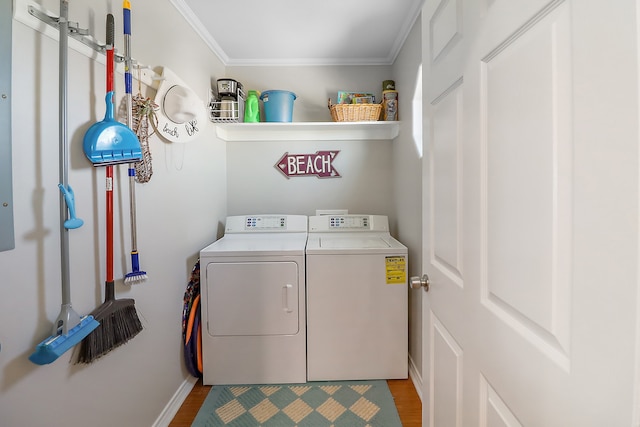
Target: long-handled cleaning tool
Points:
(69, 328)
(110, 142)
(136, 275)
(118, 318)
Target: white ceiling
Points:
(297, 32)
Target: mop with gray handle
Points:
(69, 328)
(136, 275)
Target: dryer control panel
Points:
(266, 223)
(328, 223)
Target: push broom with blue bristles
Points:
(135, 276)
(69, 328)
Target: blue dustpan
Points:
(110, 142)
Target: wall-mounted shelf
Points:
(308, 131)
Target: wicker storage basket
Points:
(354, 112)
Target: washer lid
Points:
(353, 243)
(332, 242)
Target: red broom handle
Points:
(109, 231)
(110, 61)
(109, 180)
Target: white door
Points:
(530, 213)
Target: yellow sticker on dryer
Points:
(396, 270)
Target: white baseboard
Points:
(170, 411)
(414, 374)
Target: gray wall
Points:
(407, 177)
(179, 212)
(256, 186)
(365, 185)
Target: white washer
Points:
(253, 301)
(357, 299)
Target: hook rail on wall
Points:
(34, 10)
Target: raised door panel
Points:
(445, 181)
(444, 45)
(527, 190)
(494, 412)
(446, 372)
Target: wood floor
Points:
(403, 391)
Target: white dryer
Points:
(253, 301)
(357, 299)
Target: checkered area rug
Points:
(314, 404)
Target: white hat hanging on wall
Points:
(182, 115)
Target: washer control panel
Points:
(348, 223)
(341, 221)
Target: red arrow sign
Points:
(318, 164)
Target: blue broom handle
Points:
(132, 207)
(128, 80)
(126, 15)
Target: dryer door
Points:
(252, 298)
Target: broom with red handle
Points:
(118, 318)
